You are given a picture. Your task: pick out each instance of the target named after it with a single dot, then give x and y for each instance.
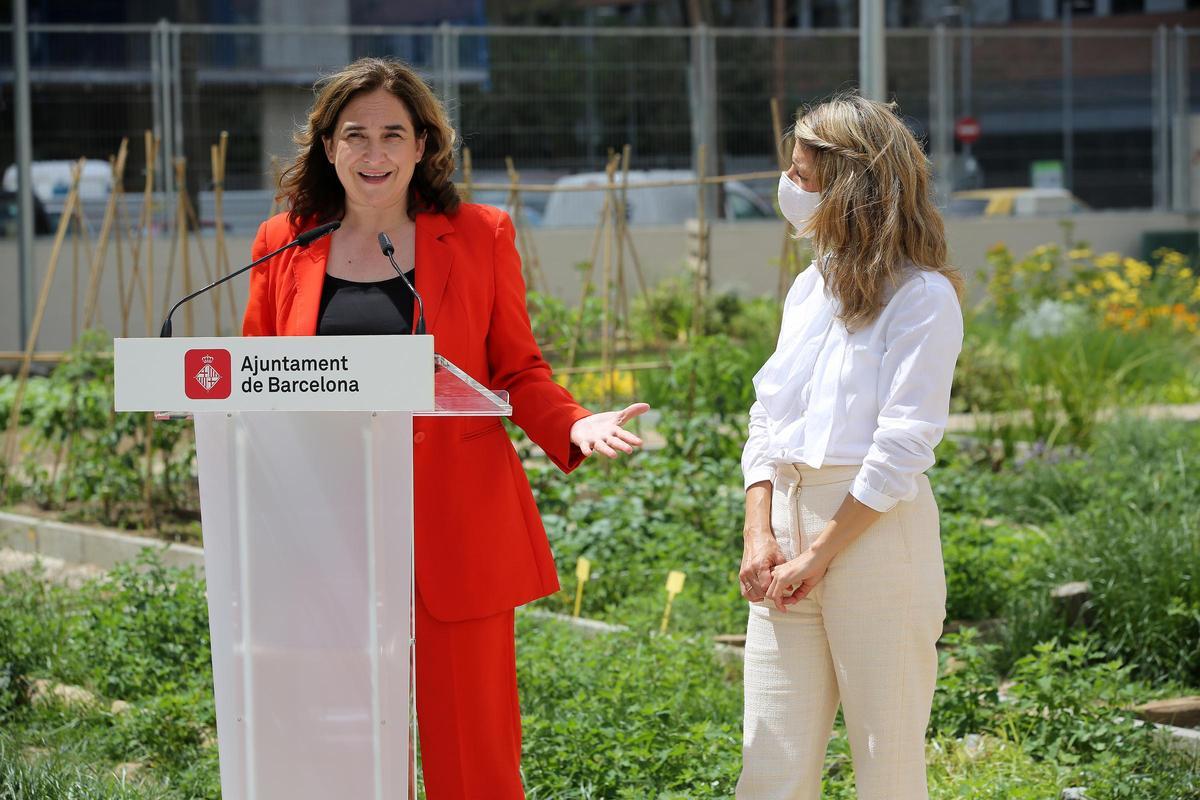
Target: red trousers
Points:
(468, 714)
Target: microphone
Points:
(385, 246)
(303, 240)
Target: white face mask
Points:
(796, 204)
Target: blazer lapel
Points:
(308, 269)
(434, 259)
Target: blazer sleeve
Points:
(259, 319)
(542, 408)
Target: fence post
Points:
(703, 102)
(1181, 135)
(24, 139)
(940, 145)
(872, 48)
(1162, 120)
(164, 122)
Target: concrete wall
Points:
(745, 259)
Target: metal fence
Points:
(1112, 111)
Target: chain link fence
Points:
(1108, 113)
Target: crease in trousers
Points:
(864, 638)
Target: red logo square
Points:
(207, 374)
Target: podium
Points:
(304, 451)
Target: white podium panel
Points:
(307, 549)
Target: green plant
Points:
(83, 458)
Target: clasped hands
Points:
(766, 575)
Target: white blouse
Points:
(879, 396)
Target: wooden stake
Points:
(64, 221)
(702, 259)
(789, 256)
(124, 291)
(101, 249)
(221, 257)
(586, 289)
(194, 220)
(276, 177)
(606, 307)
(467, 177)
(146, 235)
(181, 233)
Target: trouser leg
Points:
(883, 611)
(468, 712)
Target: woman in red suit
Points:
(377, 153)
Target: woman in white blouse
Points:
(842, 563)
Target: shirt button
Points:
(419, 437)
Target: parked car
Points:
(658, 205)
(1016, 201)
(52, 180)
(10, 214)
(531, 204)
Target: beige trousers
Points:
(864, 637)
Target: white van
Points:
(52, 180)
(658, 205)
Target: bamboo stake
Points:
(622, 233)
(276, 177)
(702, 256)
(181, 246)
(75, 280)
(529, 256)
(124, 291)
(235, 316)
(146, 235)
(101, 249)
(606, 312)
(10, 445)
(467, 177)
(789, 255)
(586, 289)
(194, 219)
(222, 249)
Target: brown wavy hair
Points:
(310, 184)
(876, 212)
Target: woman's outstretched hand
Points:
(603, 433)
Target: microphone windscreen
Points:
(312, 234)
(385, 245)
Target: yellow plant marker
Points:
(583, 568)
(675, 581)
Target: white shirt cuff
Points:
(870, 497)
(765, 472)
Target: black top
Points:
(350, 308)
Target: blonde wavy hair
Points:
(876, 212)
(310, 184)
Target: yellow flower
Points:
(1067, 295)
(1184, 273)
(1115, 281)
(1136, 271)
(1108, 260)
(1079, 253)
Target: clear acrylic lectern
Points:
(307, 522)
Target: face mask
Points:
(796, 204)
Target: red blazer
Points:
(480, 545)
